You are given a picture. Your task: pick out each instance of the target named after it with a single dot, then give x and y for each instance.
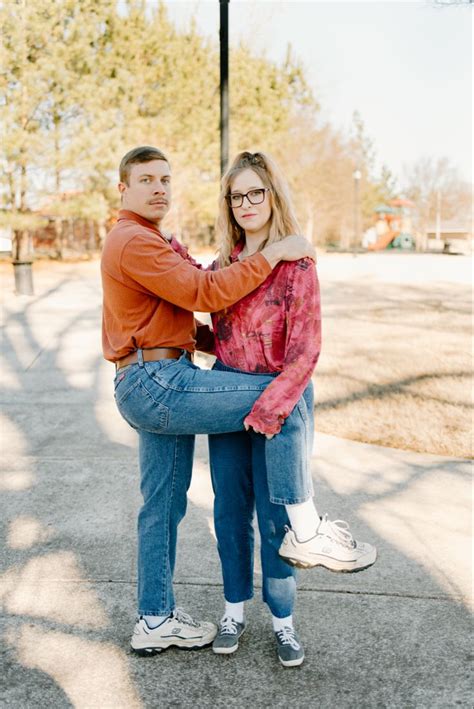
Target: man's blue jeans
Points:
(167, 402)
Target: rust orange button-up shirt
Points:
(151, 287)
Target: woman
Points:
(275, 329)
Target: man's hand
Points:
(291, 248)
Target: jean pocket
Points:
(303, 410)
(124, 387)
(119, 378)
(155, 369)
(142, 411)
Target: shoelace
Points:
(339, 530)
(287, 636)
(184, 618)
(228, 626)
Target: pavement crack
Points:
(335, 591)
(34, 359)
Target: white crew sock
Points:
(235, 611)
(304, 519)
(153, 621)
(280, 623)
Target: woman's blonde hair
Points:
(283, 221)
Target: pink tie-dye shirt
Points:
(276, 328)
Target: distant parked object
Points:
(453, 237)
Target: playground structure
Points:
(392, 227)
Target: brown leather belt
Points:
(152, 355)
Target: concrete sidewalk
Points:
(396, 635)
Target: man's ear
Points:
(122, 187)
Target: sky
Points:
(406, 67)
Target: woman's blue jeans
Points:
(167, 402)
(240, 482)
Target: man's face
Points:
(149, 190)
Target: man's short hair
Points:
(145, 153)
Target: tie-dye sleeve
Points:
(303, 345)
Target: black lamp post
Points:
(224, 83)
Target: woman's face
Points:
(252, 218)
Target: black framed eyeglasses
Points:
(253, 196)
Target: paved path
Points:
(393, 636)
(393, 266)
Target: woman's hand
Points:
(268, 436)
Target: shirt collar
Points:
(134, 217)
(237, 250)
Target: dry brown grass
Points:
(395, 369)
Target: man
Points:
(150, 289)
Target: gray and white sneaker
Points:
(333, 547)
(290, 650)
(179, 630)
(228, 635)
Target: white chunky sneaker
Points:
(179, 630)
(333, 547)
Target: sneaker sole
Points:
(225, 650)
(334, 565)
(149, 651)
(292, 663)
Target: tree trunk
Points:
(16, 244)
(58, 240)
(70, 232)
(57, 171)
(102, 234)
(22, 263)
(91, 243)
